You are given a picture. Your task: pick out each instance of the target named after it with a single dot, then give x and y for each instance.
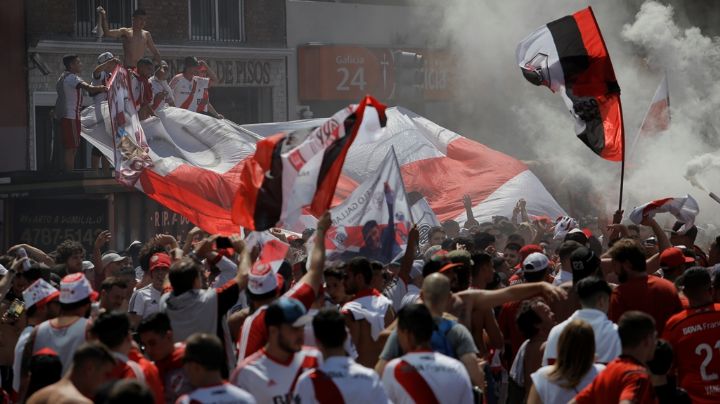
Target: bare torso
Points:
(134, 45)
(62, 392)
(9, 334)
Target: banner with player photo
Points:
(374, 221)
(131, 149)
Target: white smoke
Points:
(502, 110)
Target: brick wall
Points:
(50, 17)
(265, 22)
(167, 19)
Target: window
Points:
(216, 20)
(119, 14)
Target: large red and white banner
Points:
(197, 162)
(130, 148)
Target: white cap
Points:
(535, 262)
(262, 279)
(3, 270)
(104, 57)
(39, 292)
(74, 288)
(87, 265)
(111, 257)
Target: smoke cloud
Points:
(500, 109)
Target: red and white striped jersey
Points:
(253, 333)
(188, 94)
(73, 95)
(220, 394)
(340, 380)
(271, 380)
(425, 376)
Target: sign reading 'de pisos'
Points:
(233, 72)
(329, 72)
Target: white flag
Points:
(374, 220)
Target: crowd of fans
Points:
(515, 310)
(505, 312)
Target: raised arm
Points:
(314, 275)
(112, 33)
(7, 280)
(33, 253)
(409, 257)
(662, 238)
(471, 221)
(110, 63)
(241, 277)
(210, 72)
(481, 299)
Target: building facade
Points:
(244, 41)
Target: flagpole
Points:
(622, 163)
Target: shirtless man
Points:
(91, 368)
(135, 39)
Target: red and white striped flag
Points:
(130, 148)
(657, 118)
(685, 209)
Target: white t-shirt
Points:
(182, 88)
(607, 339)
(224, 393)
(19, 349)
(417, 374)
(412, 296)
(271, 381)
(371, 306)
(159, 86)
(65, 341)
(145, 301)
(340, 374)
(73, 95)
(551, 392)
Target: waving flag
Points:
(685, 209)
(198, 161)
(300, 170)
(272, 250)
(569, 56)
(424, 218)
(657, 118)
(130, 148)
(374, 220)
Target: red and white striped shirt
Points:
(223, 393)
(427, 377)
(189, 94)
(253, 334)
(340, 380)
(270, 380)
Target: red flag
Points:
(569, 55)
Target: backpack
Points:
(439, 341)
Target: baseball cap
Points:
(450, 266)
(74, 288)
(159, 260)
(673, 257)
(39, 293)
(45, 351)
(287, 310)
(577, 235)
(535, 262)
(111, 257)
(87, 265)
(262, 279)
(104, 57)
(584, 260)
(526, 250)
(695, 278)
